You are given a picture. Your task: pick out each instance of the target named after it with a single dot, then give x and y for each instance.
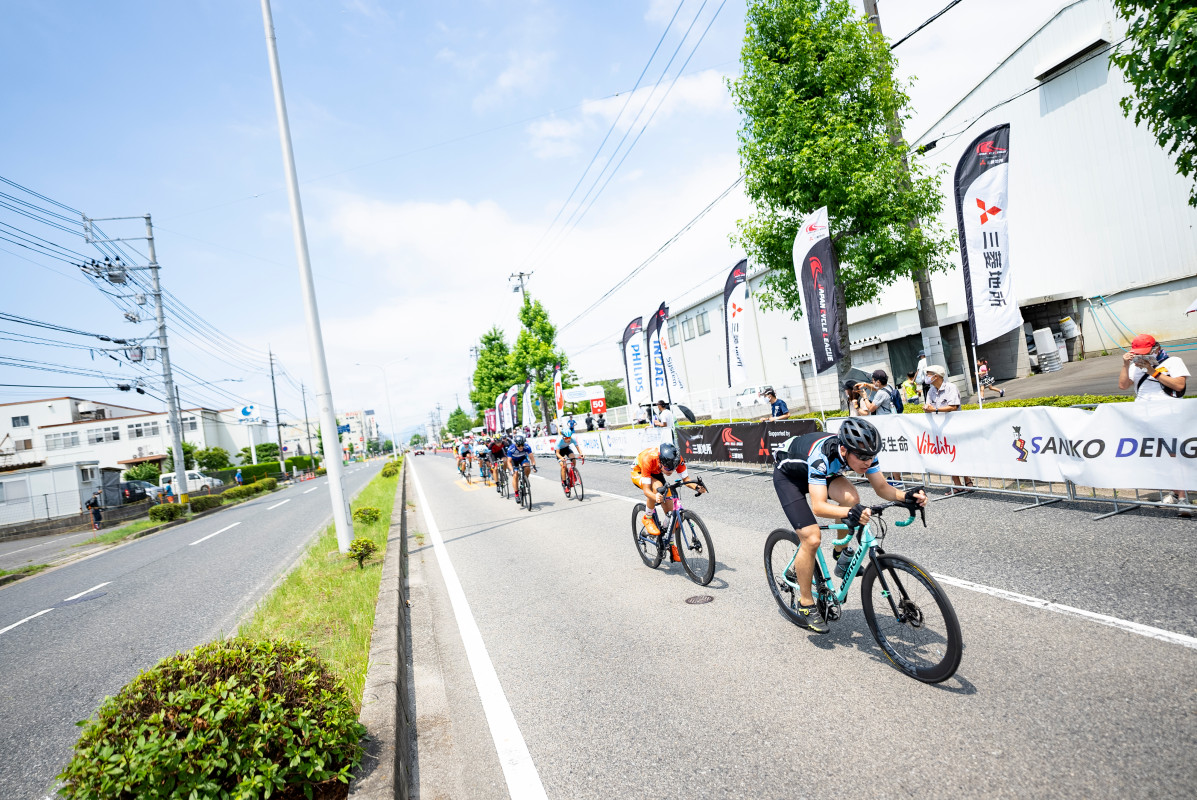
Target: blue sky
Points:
(435, 143)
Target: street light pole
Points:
(324, 399)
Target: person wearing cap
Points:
(943, 398)
(882, 401)
(94, 505)
(777, 408)
(1156, 376)
(664, 418)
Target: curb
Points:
(386, 770)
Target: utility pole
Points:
(307, 423)
(924, 298)
(521, 276)
(179, 403)
(324, 399)
(278, 427)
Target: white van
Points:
(196, 480)
(753, 396)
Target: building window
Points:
(61, 441)
(688, 328)
(140, 430)
(109, 434)
(20, 422)
(704, 325)
(190, 424)
(673, 334)
(87, 474)
(24, 444)
(13, 492)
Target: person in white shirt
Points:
(1156, 377)
(942, 398)
(664, 417)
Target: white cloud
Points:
(703, 92)
(554, 137)
(524, 73)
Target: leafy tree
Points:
(494, 373)
(1159, 65)
(459, 422)
(145, 471)
(267, 451)
(818, 99)
(418, 440)
(189, 451)
(536, 353)
(213, 458)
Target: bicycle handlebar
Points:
(669, 487)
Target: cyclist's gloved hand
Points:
(912, 500)
(853, 519)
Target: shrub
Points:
(167, 512)
(235, 718)
(249, 472)
(389, 472)
(362, 548)
(366, 514)
(204, 503)
(238, 492)
(321, 471)
(303, 462)
(268, 484)
(145, 471)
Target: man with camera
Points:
(1156, 377)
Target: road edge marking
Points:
(210, 535)
(276, 505)
(22, 622)
(523, 779)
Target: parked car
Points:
(752, 396)
(196, 480)
(418, 452)
(151, 491)
(132, 491)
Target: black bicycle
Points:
(523, 488)
(684, 536)
(502, 485)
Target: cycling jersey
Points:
(812, 459)
(648, 466)
(496, 450)
(564, 443)
(519, 455)
(464, 450)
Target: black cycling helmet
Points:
(670, 457)
(519, 440)
(860, 437)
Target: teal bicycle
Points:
(906, 610)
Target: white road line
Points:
(210, 535)
(314, 488)
(523, 780)
(89, 591)
(1047, 605)
(22, 622)
(47, 544)
(276, 505)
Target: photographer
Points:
(1157, 377)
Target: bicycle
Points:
(502, 486)
(574, 480)
(693, 547)
(928, 650)
(523, 488)
(484, 468)
(465, 468)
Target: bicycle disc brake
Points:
(911, 614)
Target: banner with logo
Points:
(635, 363)
(630, 442)
(735, 322)
(529, 412)
(499, 415)
(815, 267)
(673, 371)
(492, 420)
(658, 381)
(558, 395)
(1116, 446)
(745, 443)
(590, 444)
(513, 405)
(982, 202)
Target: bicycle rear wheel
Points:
(923, 637)
(576, 489)
(697, 551)
(781, 546)
(526, 493)
(649, 547)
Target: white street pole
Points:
(324, 401)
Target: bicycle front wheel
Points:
(912, 619)
(781, 547)
(526, 494)
(576, 489)
(649, 547)
(694, 545)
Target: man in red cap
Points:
(1155, 376)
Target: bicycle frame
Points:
(868, 545)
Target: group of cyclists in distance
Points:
(808, 477)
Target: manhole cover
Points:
(699, 599)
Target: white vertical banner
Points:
(558, 395)
(512, 404)
(635, 364)
(500, 412)
(737, 323)
(673, 370)
(529, 411)
(658, 381)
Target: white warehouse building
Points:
(1099, 224)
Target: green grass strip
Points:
(328, 603)
(28, 569)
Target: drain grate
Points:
(699, 599)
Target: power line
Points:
(931, 19)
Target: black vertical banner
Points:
(815, 267)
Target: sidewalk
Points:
(1094, 375)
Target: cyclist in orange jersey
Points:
(649, 473)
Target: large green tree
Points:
(494, 372)
(820, 109)
(536, 353)
(189, 451)
(459, 422)
(213, 458)
(1160, 64)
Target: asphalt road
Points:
(621, 689)
(123, 610)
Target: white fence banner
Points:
(1144, 445)
(629, 442)
(591, 444)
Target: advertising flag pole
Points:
(980, 388)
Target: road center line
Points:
(210, 535)
(89, 591)
(523, 780)
(276, 505)
(22, 622)
(314, 488)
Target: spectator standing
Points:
(777, 408)
(602, 421)
(589, 421)
(169, 491)
(93, 505)
(910, 391)
(664, 417)
(852, 393)
(238, 477)
(552, 427)
(1156, 377)
(882, 401)
(921, 379)
(943, 398)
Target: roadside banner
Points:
(635, 364)
(658, 381)
(590, 444)
(735, 322)
(673, 373)
(1145, 445)
(529, 412)
(558, 395)
(815, 267)
(513, 405)
(745, 443)
(630, 441)
(982, 202)
(499, 415)
(492, 422)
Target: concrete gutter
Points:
(386, 771)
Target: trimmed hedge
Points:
(239, 492)
(303, 462)
(235, 718)
(321, 471)
(167, 512)
(366, 514)
(249, 472)
(266, 484)
(362, 548)
(204, 503)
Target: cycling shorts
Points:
(793, 500)
(565, 451)
(520, 461)
(640, 481)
